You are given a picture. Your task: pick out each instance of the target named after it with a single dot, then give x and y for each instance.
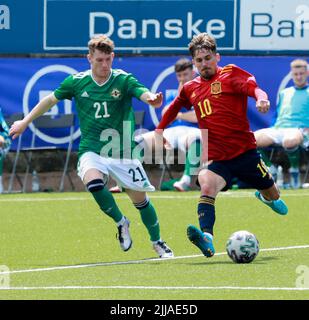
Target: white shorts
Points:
(280, 134)
(181, 136)
(128, 173)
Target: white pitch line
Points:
(156, 288)
(102, 264)
(228, 194)
(44, 199)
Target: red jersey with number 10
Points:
(220, 104)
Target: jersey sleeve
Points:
(242, 81)
(182, 98)
(65, 90)
(178, 103)
(135, 88)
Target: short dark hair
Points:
(102, 43)
(202, 41)
(183, 64)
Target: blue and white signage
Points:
(35, 78)
(274, 25)
(165, 26)
(154, 26)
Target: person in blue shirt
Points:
(292, 122)
(5, 143)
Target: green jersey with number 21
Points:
(104, 111)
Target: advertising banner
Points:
(23, 82)
(277, 25)
(154, 27)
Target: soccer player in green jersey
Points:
(103, 98)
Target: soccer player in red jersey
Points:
(219, 96)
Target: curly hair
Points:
(202, 41)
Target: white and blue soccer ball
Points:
(242, 247)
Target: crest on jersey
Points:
(116, 93)
(216, 87)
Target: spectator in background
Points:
(291, 122)
(183, 133)
(5, 143)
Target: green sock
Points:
(265, 157)
(107, 203)
(193, 158)
(294, 158)
(149, 218)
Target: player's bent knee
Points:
(291, 145)
(207, 189)
(95, 185)
(263, 140)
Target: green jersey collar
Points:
(102, 84)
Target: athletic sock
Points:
(185, 179)
(206, 213)
(122, 221)
(107, 203)
(294, 158)
(155, 242)
(149, 218)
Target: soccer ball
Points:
(242, 247)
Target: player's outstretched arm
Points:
(189, 116)
(262, 102)
(18, 127)
(154, 99)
